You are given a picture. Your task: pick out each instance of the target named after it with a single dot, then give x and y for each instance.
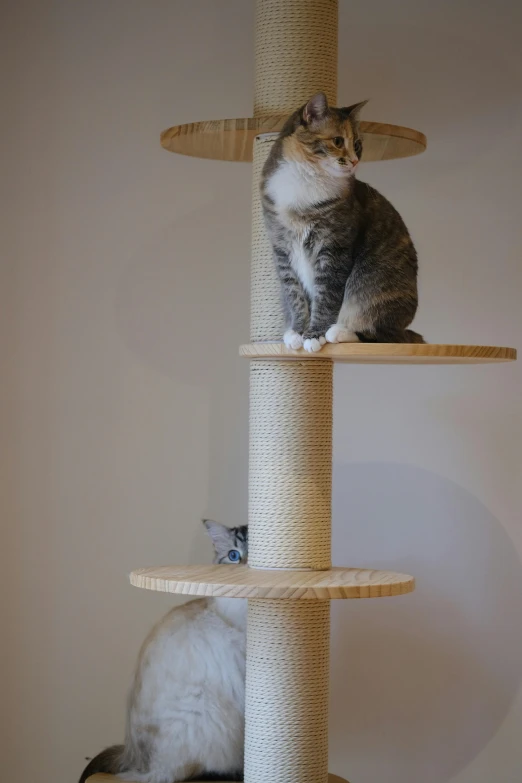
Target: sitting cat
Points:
(186, 709)
(347, 265)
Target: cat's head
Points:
(230, 543)
(324, 137)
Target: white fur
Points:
(296, 185)
(302, 263)
(188, 699)
(349, 317)
(339, 334)
(292, 339)
(314, 344)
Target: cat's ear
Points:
(354, 110)
(316, 108)
(220, 534)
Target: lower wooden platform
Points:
(240, 581)
(107, 778)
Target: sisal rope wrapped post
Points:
(266, 314)
(296, 53)
(287, 684)
(290, 462)
(290, 465)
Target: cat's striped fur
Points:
(185, 715)
(347, 264)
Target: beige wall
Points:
(124, 295)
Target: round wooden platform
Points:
(385, 353)
(106, 778)
(233, 139)
(244, 582)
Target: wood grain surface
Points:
(385, 353)
(233, 139)
(244, 582)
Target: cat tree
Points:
(289, 580)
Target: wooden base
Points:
(385, 353)
(233, 139)
(244, 582)
(107, 778)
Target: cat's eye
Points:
(234, 556)
(338, 141)
(358, 148)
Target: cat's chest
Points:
(302, 257)
(294, 188)
(294, 195)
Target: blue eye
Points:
(234, 556)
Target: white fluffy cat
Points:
(185, 715)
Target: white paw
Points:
(314, 344)
(338, 334)
(292, 339)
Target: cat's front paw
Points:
(338, 334)
(292, 339)
(313, 342)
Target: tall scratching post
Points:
(290, 404)
(289, 581)
(290, 469)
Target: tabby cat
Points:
(186, 709)
(345, 259)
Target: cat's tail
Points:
(391, 336)
(109, 760)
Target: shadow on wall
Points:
(421, 683)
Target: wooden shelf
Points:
(244, 582)
(385, 353)
(233, 139)
(107, 778)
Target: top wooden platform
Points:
(233, 139)
(240, 581)
(385, 353)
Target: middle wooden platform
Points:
(385, 353)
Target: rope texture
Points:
(290, 464)
(266, 312)
(286, 739)
(296, 53)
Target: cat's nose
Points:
(354, 161)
